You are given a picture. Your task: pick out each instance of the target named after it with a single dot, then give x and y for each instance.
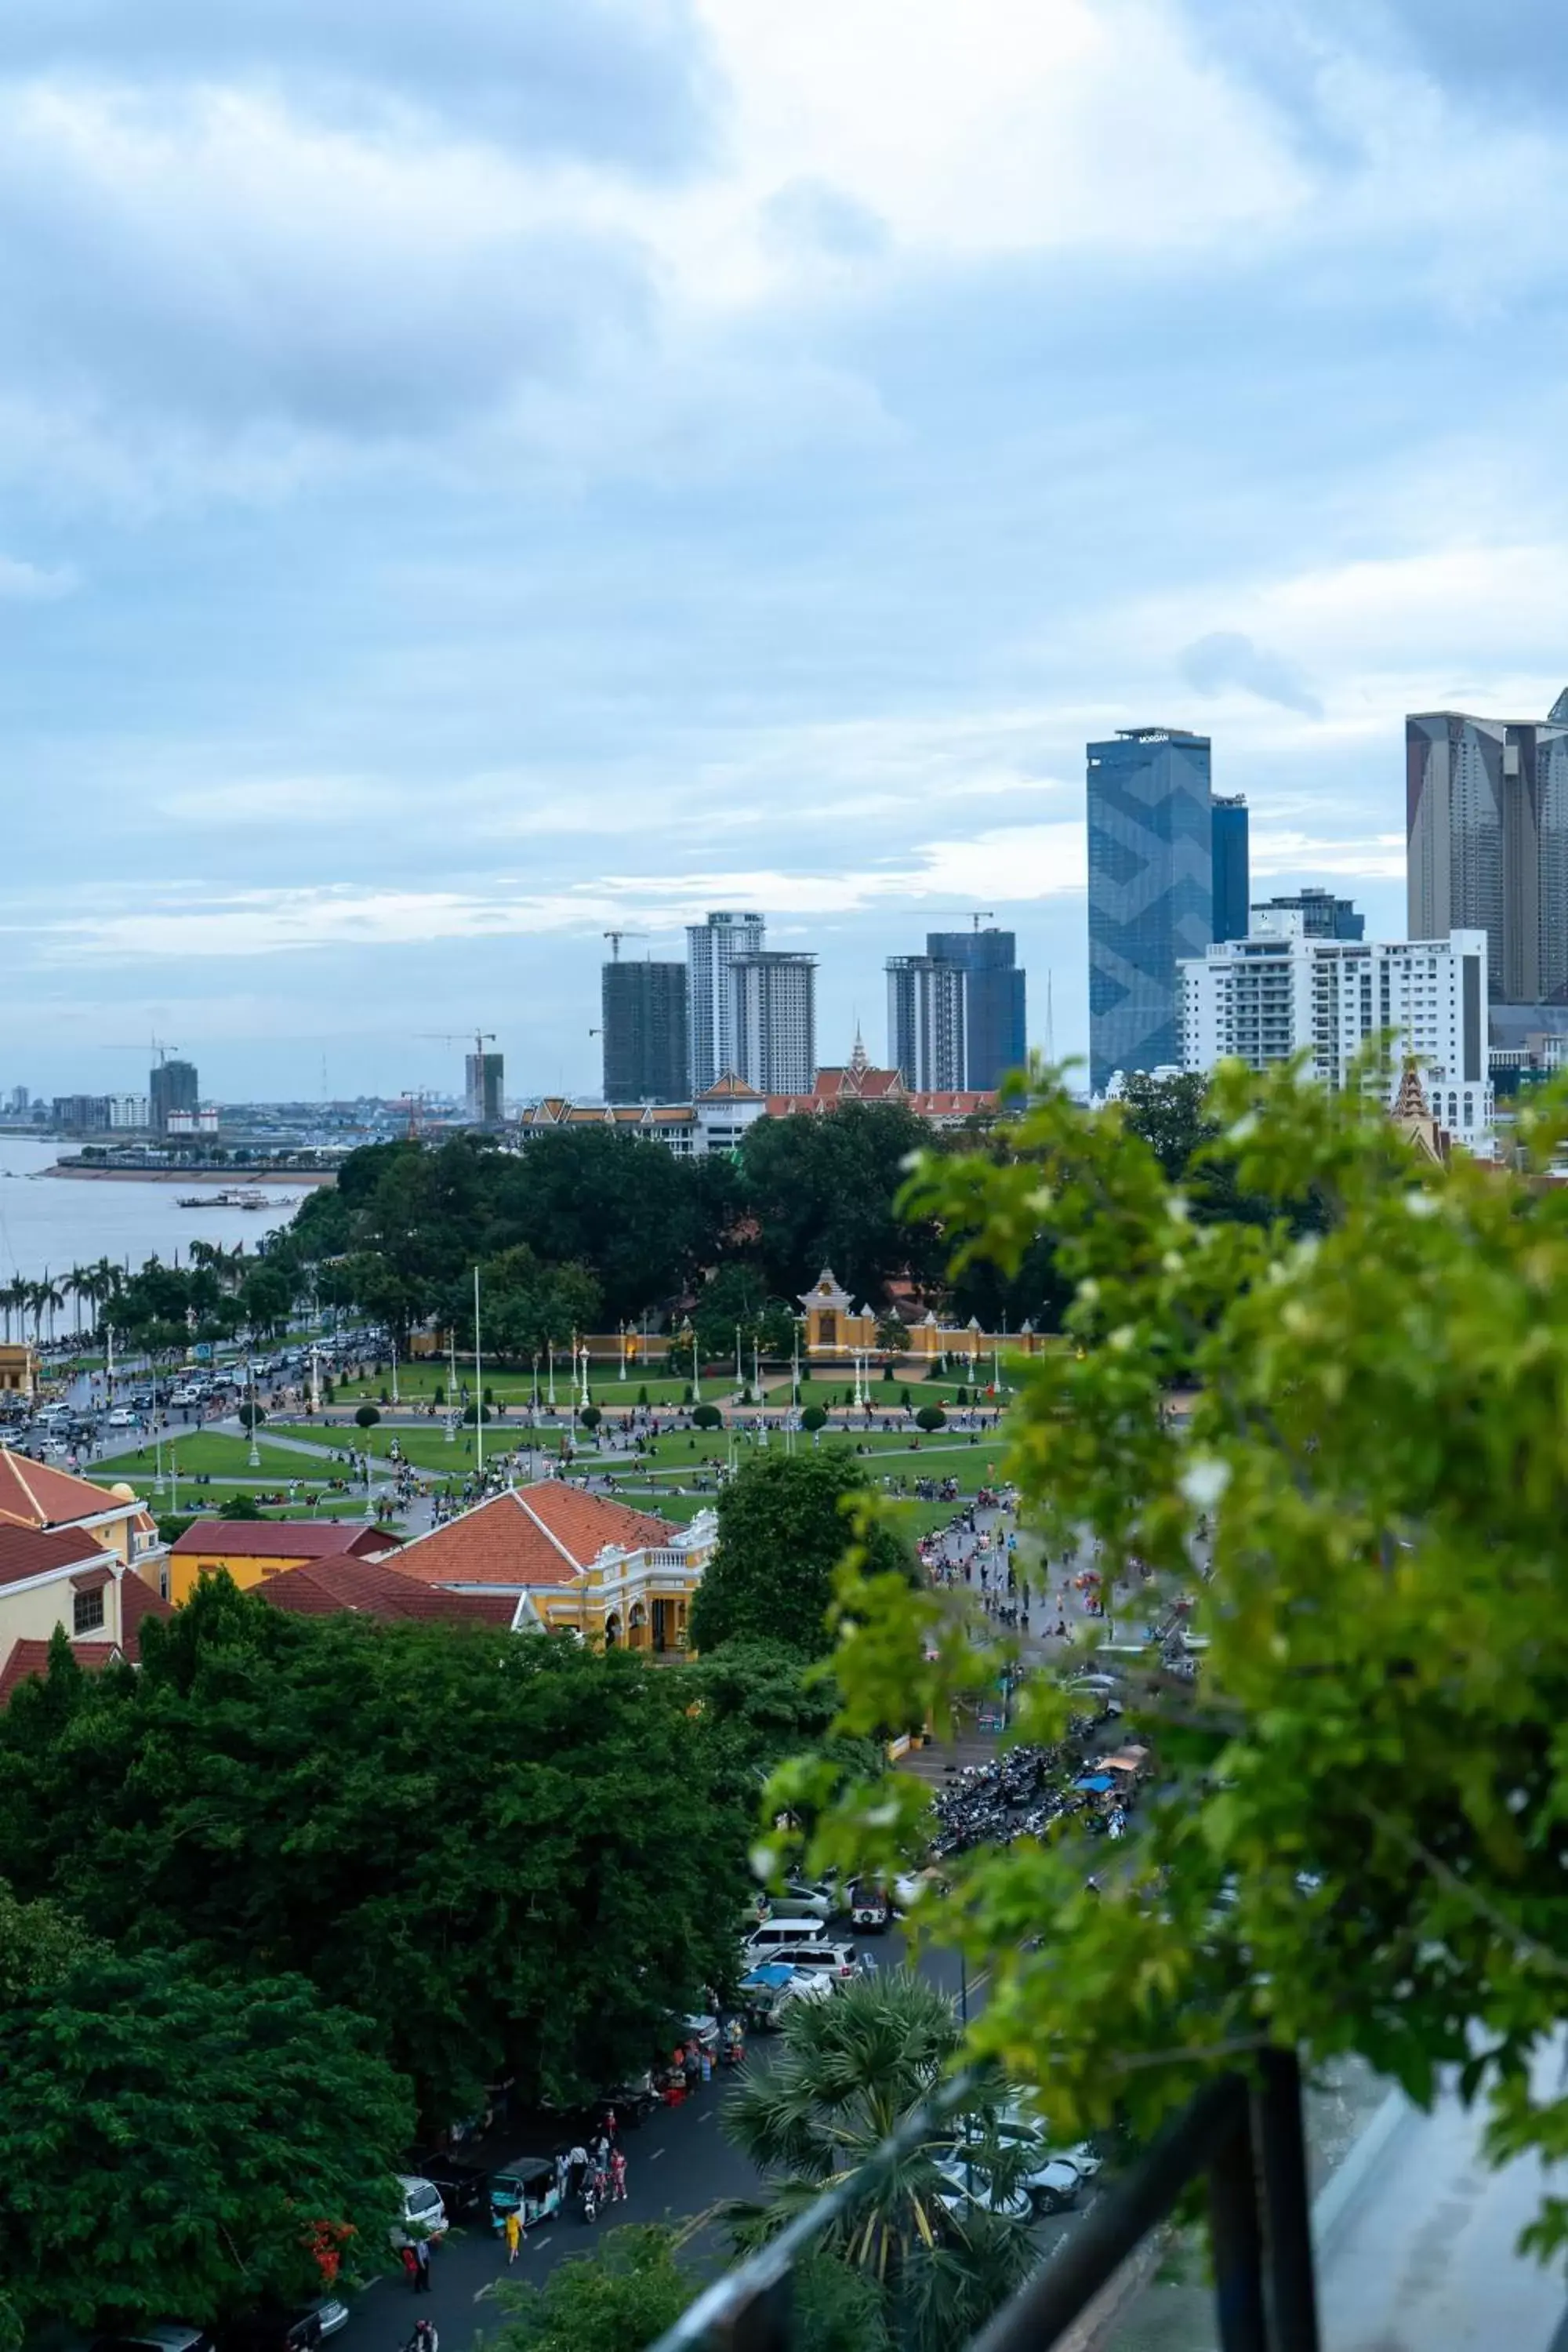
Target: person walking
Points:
(411, 2268)
(618, 2176)
(512, 2229)
(422, 2284)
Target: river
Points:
(50, 1224)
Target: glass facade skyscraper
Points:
(1151, 893)
(927, 1029)
(1487, 827)
(711, 947)
(647, 1053)
(1232, 868)
(995, 1040)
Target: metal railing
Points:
(1244, 2133)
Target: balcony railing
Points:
(1244, 2135)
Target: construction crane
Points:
(480, 1037)
(414, 1097)
(615, 938)
(979, 915)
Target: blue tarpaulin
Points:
(1096, 1783)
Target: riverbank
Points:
(235, 1174)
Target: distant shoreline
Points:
(220, 1179)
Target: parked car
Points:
(962, 2185)
(160, 2335)
(424, 2215)
(462, 2185)
(809, 1899)
(770, 1936)
(121, 1417)
(836, 1961)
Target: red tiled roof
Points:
(29, 1657)
(32, 1495)
(29, 1551)
(138, 1602)
(373, 1588)
(531, 1536)
(282, 1538)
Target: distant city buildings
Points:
(1151, 893)
(775, 1012)
(1282, 990)
(995, 1038)
(1323, 917)
(644, 1017)
(1232, 865)
(928, 1033)
(1487, 840)
(711, 947)
(172, 1086)
(484, 1078)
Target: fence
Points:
(1245, 2135)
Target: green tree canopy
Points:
(169, 2139)
(821, 1191)
(781, 1529)
(480, 1815)
(1356, 1840)
(625, 2295)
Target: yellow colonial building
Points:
(573, 1562)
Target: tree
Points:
(265, 1786)
(590, 1416)
(821, 1191)
(240, 1507)
(846, 2075)
(813, 1419)
(1356, 1842)
(706, 1416)
(625, 2294)
(782, 1529)
(931, 1417)
(366, 1417)
(732, 1299)
(253, 2112)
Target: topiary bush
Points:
(929, 1417)
(706, 1416)
(590, 1416)
(814, 1418)
(474, 1412)
(904, 1398)
(366, 1417)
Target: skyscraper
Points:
(1151, 892)
(927, 1029)
(1487, 828)
(1323, 917)
(483, 1077)
(711, 947)
(775, 1022)
(995, 1040)
(646, 1037)
(1232, 866)
(172, 1086)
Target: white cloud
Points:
(33, 583)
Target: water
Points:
(47, 1224)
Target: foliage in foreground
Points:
(1361, 1835)
(847, 2073)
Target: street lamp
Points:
(623, 1348)
(550, 1350)
(254, 1449)
(583, 1357)
(696, 1374)
(740, 1381)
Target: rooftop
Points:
(531, 1536)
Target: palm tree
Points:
(849, 2072)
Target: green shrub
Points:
(642, 1395)
(706, 1416)
(367, 1417)
(814, 1418)
(904, 1398)
(929, 1417)
(590, 1416)
(474, 1412)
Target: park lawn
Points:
(215, 1454)
(418, 1382)
(424, 1445)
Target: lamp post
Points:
(550, 1351)
(478, 1388)
(251, 1383)
(623, 1347)
(394, 1368)
(740, 1379)
(582, 1359)
(315, 1379)
(696, 1374)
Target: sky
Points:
(476, 477)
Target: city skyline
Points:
(445, 515)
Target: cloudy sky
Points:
(475, 475)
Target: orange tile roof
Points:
(29, 1551)
(281, 1539)
(32, 1495)
(376, 1587)
(531, 1537)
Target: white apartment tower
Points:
(775, 1022)
(711, 947)
(1277, 993)
(927, 1023)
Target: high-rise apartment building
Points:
(711, 947)
(483, 1085)
(170, 1087)
(1323, 917)
(646, 1037)
(1281, 992)
(927, 1026)
(1151, 892)
(775, 1021)
(1487, 831)
(1232, 865)
(994, 1035)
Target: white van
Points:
(424, 2215)
(774, 1933)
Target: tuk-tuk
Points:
(527, 2188)
(763, 1992)
(871, 1906)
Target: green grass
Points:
(424, 1445)
(219, 1457)
(418, 1383)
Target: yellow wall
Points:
(19, 1369)
(33, 1613)
(187, 1570)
